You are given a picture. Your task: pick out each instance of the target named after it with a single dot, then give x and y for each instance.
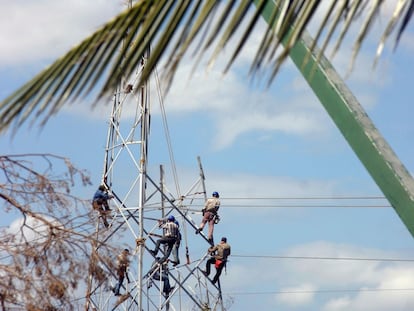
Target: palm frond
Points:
(372, 14)
(405, 20)
(351, 13)
(171, 28)
(391, 25)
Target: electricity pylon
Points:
(139, 202)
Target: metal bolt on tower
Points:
(139, 201)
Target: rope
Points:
(167, 135)
(173, 166)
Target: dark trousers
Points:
(169, 241)
(118, 285)
(121, 276)
(166, 281)
(212, 261)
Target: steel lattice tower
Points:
(139, 201)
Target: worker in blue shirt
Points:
(100, 202)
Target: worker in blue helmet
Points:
(170, 236)
(176, 246)
(210, 215)
(100, 203)
(219, 253)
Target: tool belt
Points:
(216, 219)
(218, 263)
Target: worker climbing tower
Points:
(139, 201)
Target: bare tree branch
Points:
(45, 253)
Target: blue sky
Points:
(254, 142)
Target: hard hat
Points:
(215, 194)
(171, 218)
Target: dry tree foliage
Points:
(46, 251)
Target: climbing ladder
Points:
(139, 202)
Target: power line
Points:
(289, 202)
(302, 198)
(308, 198)
(325, 258)
(304, 206)
(321, 291)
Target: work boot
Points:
(175, 263)
(170, 290)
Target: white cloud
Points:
(377, 298)
(298, 123)
(29, 229)
(42, 29)
(259, 186)
(335, 271)
(296, 296)
(338, 304)
(399, 277)
(353, 284)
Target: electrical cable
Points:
(325, 258)
(321, 291)
(279, 204)
(167, 134)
